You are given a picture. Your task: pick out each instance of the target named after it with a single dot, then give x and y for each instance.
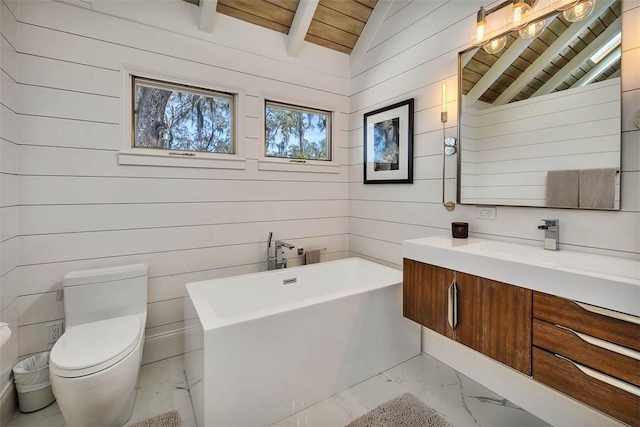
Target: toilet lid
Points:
(92, 347)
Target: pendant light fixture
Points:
(518, 20)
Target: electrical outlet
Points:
(54, 330)
(485, 212)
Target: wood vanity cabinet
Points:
(493, 318)
(589, 354)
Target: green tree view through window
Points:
(297, 133)
(176, 117)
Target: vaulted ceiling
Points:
(335, 24)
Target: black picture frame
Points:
(388, 144)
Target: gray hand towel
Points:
(563, 188)
(597, 188)
(312, 257)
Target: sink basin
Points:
(604, 281)
(578, 262)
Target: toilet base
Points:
(103, 399)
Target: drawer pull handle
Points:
(452, 304)
(610, 313)
(605, 344)
(604, 378)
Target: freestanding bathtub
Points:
(260, 347)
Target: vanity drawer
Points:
(600, 355)
(564, 312)
(572, 380)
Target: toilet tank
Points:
(104, 293)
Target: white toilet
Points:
(94, 365)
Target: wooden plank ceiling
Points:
(336, 24)
(482, 62)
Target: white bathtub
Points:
(258, 349)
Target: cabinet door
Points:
(425, 295)
(495, 319)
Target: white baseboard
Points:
(163, 346)
(8, 403)
(534, 397)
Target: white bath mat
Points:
(404, 411)
(168, 419)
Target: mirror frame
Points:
(460, 143)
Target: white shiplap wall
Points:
(80, 209)
(415, 50)
(9, 239)
(508, 149)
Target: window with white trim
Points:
(181, 118)
(295, 132)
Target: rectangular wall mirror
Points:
(539, 121)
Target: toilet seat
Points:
(92, 347)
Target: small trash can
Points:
(31, 376)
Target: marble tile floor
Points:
(162, 387)
(462, 401)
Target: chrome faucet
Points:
(551, 229)
(277, 261)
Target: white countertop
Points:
(604, 281)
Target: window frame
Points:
(274, 163)
(144, 156)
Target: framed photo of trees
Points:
(388, 144)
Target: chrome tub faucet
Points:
(551, 229)
(277, 261)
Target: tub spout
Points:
(281, 261)
(278, 261)
(280, 243)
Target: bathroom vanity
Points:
(567, 320)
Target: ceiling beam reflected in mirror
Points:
(612, 31)
(551, 53)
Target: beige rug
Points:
(168, 419)
(404, 411)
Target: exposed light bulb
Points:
(443, 110)
(496, 45)
(480, 32)
(444, 97)
(532, 30)
(580, 11)
(520, 11)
